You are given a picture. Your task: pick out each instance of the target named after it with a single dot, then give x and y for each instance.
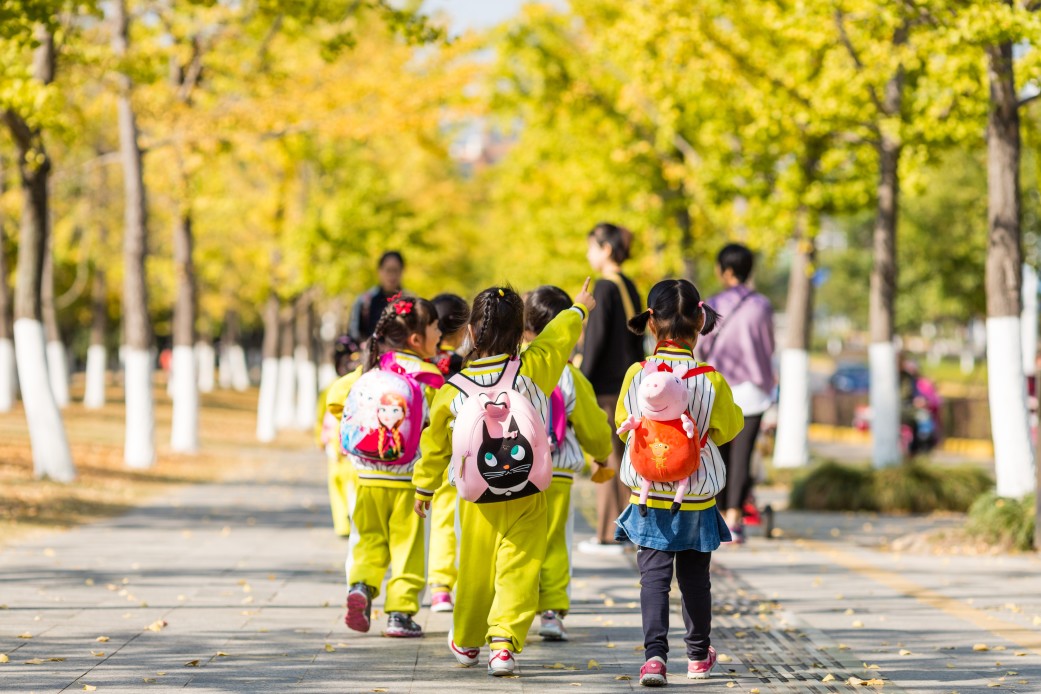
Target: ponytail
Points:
(638, 323)
(712, 318)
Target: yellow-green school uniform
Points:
(502, 545)
(442, 571)
(341, 479)
(389, 533)
(587, 430)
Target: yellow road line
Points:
(1021, 636)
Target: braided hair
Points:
(403, 317)
(497, 320)
(677, 309)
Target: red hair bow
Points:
(403, 308)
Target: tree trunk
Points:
(57, 358)
(233, 370)
(97, 352)
(206, 361)
(304, 356)
(266, 406)
(793, 417)
(50, 447)
(885, 385)
(140, 416)
(285, 412)
(1013, 454)
(184, 433)
(7, 367)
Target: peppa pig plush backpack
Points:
(500, 449)
(665, 445)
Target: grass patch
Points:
(914, 487)
(1006, 523)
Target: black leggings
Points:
(692, 575)
(737, 457)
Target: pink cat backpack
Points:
(500, 449)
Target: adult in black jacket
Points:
(609, 349)
(369, 306)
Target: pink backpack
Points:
(385, 412)
(500, 449)
(557, 424)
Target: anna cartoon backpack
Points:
(500, 449)
(384, 413)
(665, 445)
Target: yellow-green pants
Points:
(389, 534)
(555, 578)
(442, 567)
(500, 557)
(342, 481)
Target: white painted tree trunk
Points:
(7, 375)
(51, 455)
(97, 361)
(184, 434)
(1029, 320)
(268, 400)
(791, 449)
(58, 372)
(285, 406)
(224, 368)
(239, 370)
(885, 404)
(306, 389)
(326, 376)
(1006, 386)
(207, 361)
(140, 419)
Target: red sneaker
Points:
(652, 674)
(702, 669)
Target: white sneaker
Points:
(593, 546)
(502, 663)
(552, 627)
(467, 657)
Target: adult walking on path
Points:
(369, 306)
(608, 351)
(741, 349)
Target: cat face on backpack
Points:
(505, 462)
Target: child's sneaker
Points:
(652, 674)
(441, 601)
(467, 657)
(402, 626)
(552, 627)
(359, 607)
(502, 663)
(701, 669)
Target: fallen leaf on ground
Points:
(638, 648)
(329, 648)
(857, 624)
(828, 678)
(904, 651)
(753, 690)
(843, 647)
(609, 602)
(89, 688)
(609, 645)
(981, 647)
(623, 678)
(592, 665)
(56, 660)
(161, 673)
(157, 625)
(192, 663)
(4, 658)
(1021, 653)
(34, 661)
(150, 680)
(871, 667)
(98, 654)
(222, 654)
(994, 685)
(730, 685)
(102, 639)
(25, 635)
(740, 634)
(554, 666)
(849, 611)
(724, 658)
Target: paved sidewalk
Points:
(238, 587)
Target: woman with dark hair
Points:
(608, 351)
(369, 306)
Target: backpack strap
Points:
(471, 388)
(698, 371)
(512, 370)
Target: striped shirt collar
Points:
(673, 351)
(486, 365)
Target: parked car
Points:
(851, 377)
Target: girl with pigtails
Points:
(675, 523)
(383, 406)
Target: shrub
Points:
(831, 486)
(1003, 522)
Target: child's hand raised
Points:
(585, 298)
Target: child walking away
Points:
(576, 424)
(453, 313)
(672, 408)
(383, 409)
(490, 424)
(346, 354)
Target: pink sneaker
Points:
(652, 674)
(441, 601)
(702, 669)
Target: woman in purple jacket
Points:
(741, 349)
